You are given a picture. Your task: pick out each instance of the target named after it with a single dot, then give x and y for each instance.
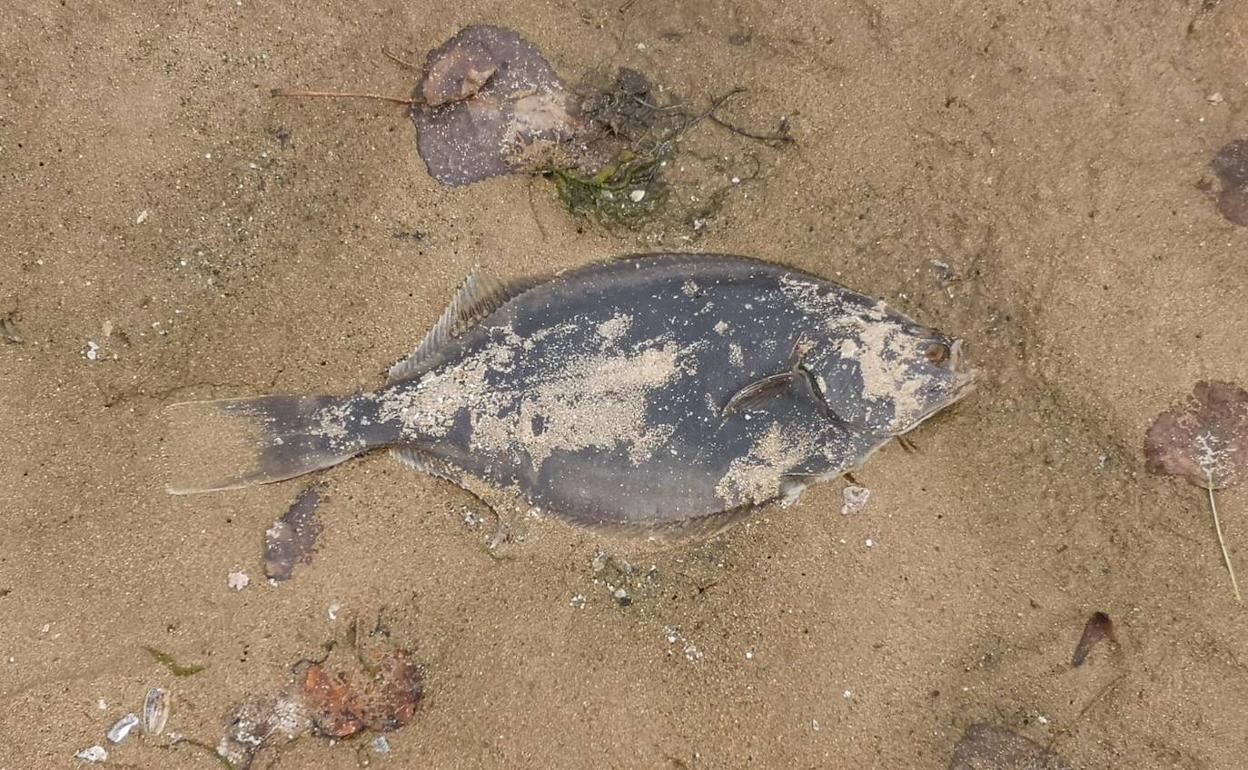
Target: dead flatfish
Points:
(657, 395)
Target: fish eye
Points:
(936, 353)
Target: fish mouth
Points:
(964, 374)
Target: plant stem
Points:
(341, 95)
(1226, 556)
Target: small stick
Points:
(1226, 556)
(398, 61)
(341, 95)
(777, 137)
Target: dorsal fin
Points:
(477, 297)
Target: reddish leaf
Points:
(344, 701)
(1204, 439)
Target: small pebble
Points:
(622, 597)
(1215, 98)
(636, 196)
(577, 602)
(102, 704)
(736, 180)
(93, 754)
(847, 694)
(92, 351)
(122, 727)
(333, 611)
(238, 580)
(870, 543)
(749, 655)
(381, 745)
(141, 218)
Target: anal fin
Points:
(426, 463)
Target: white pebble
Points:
(238, 580)
(736, 180)
(333, 611)
(577, 602)
(870, 543)
(847, 694)
(92, 351)
(749, 655)
(102, 704)
(636, 196)
(141, 218)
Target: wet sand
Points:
(213, 242)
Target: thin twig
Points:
(1226, 556)
(398, 61)
(777, 137)
(341, 95)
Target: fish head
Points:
(886, 376)
(943, 375)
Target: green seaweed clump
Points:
(625, 192)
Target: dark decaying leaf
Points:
(292, 539)
(1204, 439)
(1098, 628)
(989, 747)
(489, 104)
(1231, 167)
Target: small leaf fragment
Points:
(168, 661)
(1098, 628)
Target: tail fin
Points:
(232, 443)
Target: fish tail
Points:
(233, 443)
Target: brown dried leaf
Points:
(292, 539)
(488, 104)
(1098, 628)
(1231, 166)
(1204, 439)
(989, 747)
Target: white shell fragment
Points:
(856, 499)
(93, 754)
(156, 708)
(121, 728)
(238, 580)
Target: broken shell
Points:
(156, 710)
(121, 728)
(93, 754)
